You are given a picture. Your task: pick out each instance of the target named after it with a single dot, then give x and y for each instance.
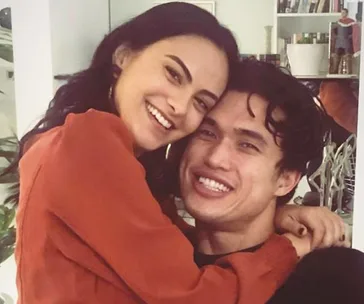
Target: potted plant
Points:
(306, 54)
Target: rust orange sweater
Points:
(89, 230)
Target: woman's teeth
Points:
(213, 185)
(159, 117)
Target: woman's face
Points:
(165, 90)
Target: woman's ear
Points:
(287, 180)
(121, 58)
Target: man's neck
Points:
(214, 240)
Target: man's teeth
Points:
(159, 117)
(213, 185)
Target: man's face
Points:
(229, 171)
(344, 13)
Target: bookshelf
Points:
(327, 76)
(311, 20)
(286, 24)
(310, 15)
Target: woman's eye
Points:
(174, 75)
(202, 105)
(248, 146)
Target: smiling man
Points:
(248, 156)
(245, 160)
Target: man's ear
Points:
(287, 180)
(122, 57)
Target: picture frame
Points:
(206, 5)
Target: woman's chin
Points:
(147, 146)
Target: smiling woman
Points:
(176, 86)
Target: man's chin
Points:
(205, 210)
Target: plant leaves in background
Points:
(10, 178)
(6, 52)
(5, 18)
(8, 151)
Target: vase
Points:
(306, 59)
(268, 39)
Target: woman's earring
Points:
(111, 91)
(116, 71)
(167, 151)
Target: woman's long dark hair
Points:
(89, 89)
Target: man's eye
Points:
(174, 75)
(203, 133)
(248, 146)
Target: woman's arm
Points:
(327, 228)
(97, 190)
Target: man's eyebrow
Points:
(210, 94)
(182, 65)
(209, 121)
(252, 134)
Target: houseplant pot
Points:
(307, 59)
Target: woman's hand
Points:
(302, 244)
(326, 227)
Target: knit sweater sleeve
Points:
(98, 191)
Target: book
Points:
(280, 6)
(288, 7)
(312, 6)
(326, 7)
(321, 6)
(341, 5)
(307, 6)
(336, 7)
(317, 5)
(294, 6)
(301, 7)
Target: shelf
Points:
(327, 76)
(290, 15)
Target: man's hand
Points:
(326, 227)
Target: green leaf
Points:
(6, 52)
(8, 238)
(9, 178)
(9, 218)
(5, 253)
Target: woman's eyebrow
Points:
(189, 76)
(182, 65)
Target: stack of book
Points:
(310, 38)
(310, 6)
(270, 58)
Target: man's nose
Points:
(219, 156)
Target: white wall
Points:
(246, 18)
(59, 37)
(32, 60)
(77, 27)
